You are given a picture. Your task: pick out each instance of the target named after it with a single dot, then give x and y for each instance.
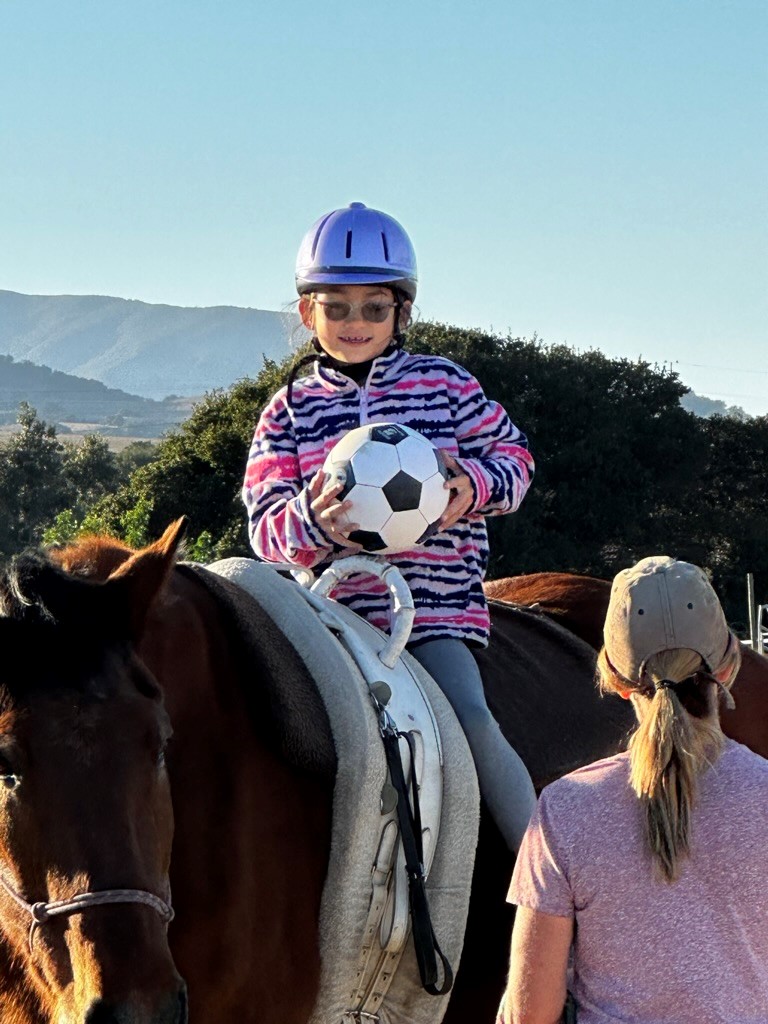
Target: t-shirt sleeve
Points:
(540, 877)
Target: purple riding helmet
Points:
(356, 245)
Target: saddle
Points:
(370, 686)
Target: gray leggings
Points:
(505, 784)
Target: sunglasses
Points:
(372, 311)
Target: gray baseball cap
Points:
(661, 604)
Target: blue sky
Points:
(593, 171)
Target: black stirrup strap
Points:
(409, 818)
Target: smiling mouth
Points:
(355, 341)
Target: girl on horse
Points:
(649, 867)
(356, 278)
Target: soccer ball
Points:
(394, 478)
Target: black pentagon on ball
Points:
(388, 433)
(441, 466)
(402, 492)
(368, 540)
(349, 481)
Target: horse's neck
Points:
(250, 828)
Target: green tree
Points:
(613, 449)
(622, 470)
(134, 455)
(46, 486)
(198, 471)
(32, 487)
(90, 469)
(727, 517)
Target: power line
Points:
(726, 369)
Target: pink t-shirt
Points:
(647, 951)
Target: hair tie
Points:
(665, 684)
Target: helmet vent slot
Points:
(318, 233)
(349, 245)
(385, 246)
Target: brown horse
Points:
(579, 603)
(105, 652)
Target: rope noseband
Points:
(42, 912)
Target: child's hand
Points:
(330, 513)
(463, 495)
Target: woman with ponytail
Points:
(641, 882)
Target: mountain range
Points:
(137, 350)
(153, 351)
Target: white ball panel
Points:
(403, 529)
(369, 509)
(417, 457)
(434, 498)
(347, 446)
(375, 463)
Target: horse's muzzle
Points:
(174, 1011)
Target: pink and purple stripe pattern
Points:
(446, 404)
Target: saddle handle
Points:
(400, 596)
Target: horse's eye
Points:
(165, 739)
(8, 778)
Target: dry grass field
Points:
(78, 432)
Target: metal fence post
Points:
(753, 624)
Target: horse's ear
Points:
(173, 536)
(141, 578)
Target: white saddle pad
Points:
(357, 821)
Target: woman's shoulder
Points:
(591, 782)
(741, 760)
(579, 808)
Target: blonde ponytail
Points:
(677, 738)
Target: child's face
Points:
(353, 339)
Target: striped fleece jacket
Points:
(442, 401)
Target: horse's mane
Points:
(54, 622)
(92, 555)
(33, 579)
(26, 584)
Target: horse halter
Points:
(42, 912)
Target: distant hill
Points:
(61, 399)
(705, 407)
(145, 351)
(148, 350)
